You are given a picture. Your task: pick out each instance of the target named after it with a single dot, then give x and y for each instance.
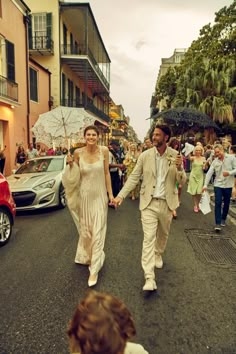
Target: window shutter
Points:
(30, 35)
(49, 30)
(10, 61)
(63, 89)
(33, 85)
(77, 95)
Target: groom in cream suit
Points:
(160, 169)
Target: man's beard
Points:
(159, 144)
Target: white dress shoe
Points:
(92, 280)
(150, 285)
(158, 261)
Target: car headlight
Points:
(48, 184)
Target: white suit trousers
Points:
(156, 220)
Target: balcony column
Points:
(86, 65)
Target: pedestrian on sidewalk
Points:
(224, 167)
(160, 167)
(92, 178)
(102, 324)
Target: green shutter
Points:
(33, 85)
(49, 30)
(63, 89)
(10, 52)
(30, 34)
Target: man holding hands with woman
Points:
(160, 168)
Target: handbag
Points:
(204, 204)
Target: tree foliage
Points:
(206, 78)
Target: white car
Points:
(38, 183)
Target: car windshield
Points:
(41, 165)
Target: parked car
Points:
(38, 183)
(7, 211)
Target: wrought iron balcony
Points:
(100, 114)
(72, 103)
(42, 44)
(79, 50)
(119, 133)
(89, 106)
(8, 89)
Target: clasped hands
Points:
(116, 202)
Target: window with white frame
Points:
(39, 29)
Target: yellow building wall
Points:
(14, 120)
(50, 62)
(42, 106)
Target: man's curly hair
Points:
(162, 126)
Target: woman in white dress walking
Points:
(93, 192)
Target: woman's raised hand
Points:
(69, 160)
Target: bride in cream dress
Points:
(87, 193)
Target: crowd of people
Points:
(31, 152)
(97, 177)
(155, 175)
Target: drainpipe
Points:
(26, 21)
(50, 102)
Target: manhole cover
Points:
(210, 248)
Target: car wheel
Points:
(5, 226)
(62, 197)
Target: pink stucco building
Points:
(24, 84)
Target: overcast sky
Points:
(137, 34)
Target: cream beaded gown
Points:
(93, 206)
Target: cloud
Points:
(139, 44)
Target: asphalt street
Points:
(193, 312)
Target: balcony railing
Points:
(80, 49)
(90, 107)
(41, 43)
(119, 133)
(72, 103)
(97, 111)
(8, 89)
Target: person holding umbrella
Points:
(92, 184)
(160, 168)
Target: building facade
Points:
(119, 122)
(24, 85)
(64, 38)
(39, 92)
(166, 63)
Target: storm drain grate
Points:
(217, 250)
